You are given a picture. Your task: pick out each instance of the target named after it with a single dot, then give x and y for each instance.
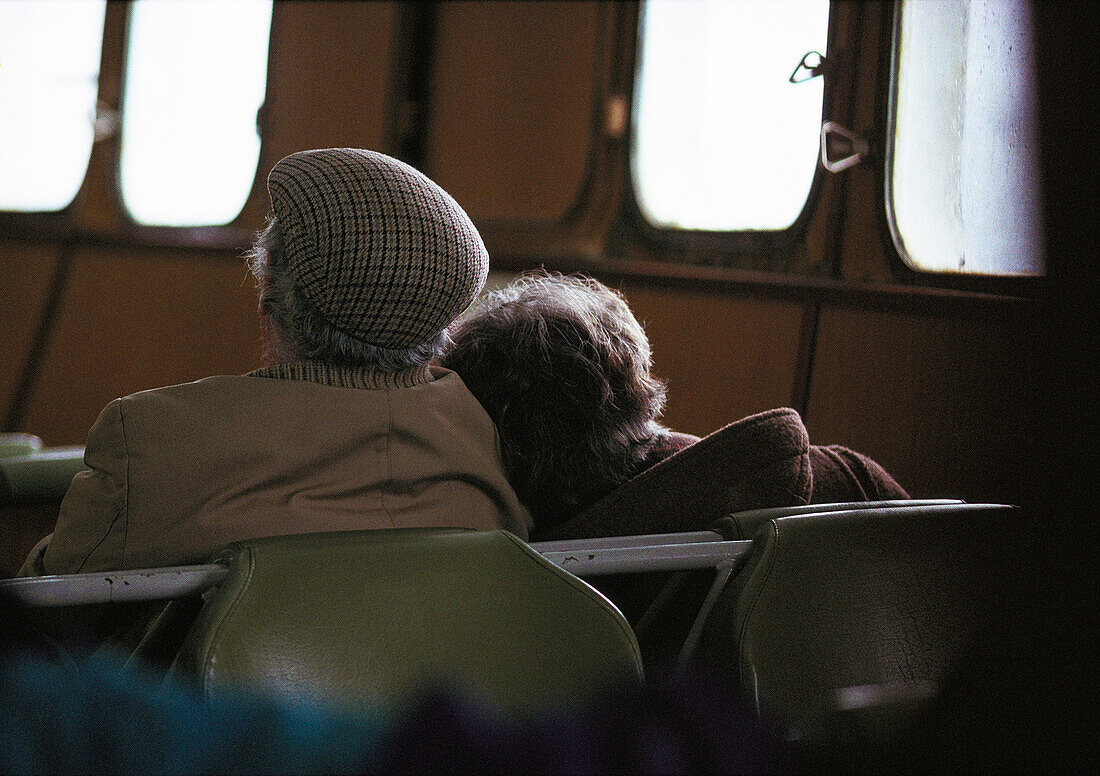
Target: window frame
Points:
(57, 224)
(765, 250)
(49, 220)
(604, 231)
(258, 178)
(102, 179)
(899, 265)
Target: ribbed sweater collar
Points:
(345, 376)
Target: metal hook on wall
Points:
(812, 70)
(849, 148)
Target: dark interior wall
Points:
(139, 319)
(512, 92)
(723, 358)
(509, 131)
(329, 82)
(945, 402)
(126, 319)
(28, 267)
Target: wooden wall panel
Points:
(137, 320)
(28, 269)
(329, 83)
(511, 106)
(866, 241)
(945, 404)
(723, 358)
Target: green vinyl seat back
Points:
(32, 474)
(14, 443)
(885, 598)
(373, 617)
(744, 524)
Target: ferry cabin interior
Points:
(954, 351)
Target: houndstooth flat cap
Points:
(384, 253)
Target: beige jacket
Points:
(176, 473)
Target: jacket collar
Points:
(346, 376)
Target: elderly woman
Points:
(563, 367)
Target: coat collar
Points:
(346, 376)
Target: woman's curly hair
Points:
(561, 365)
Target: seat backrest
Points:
(745, 524)
(372, 616)
(14, 443)
(870, 597)
(37, 475)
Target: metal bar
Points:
(691, 642)
(178, 581)
(114, 586)
(843, 506)
(609, 542)
(635, 560)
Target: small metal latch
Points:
(105, 121)
(812, 70)
(616, 115)
(841, 148)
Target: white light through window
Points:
(963, 179)
(49, 73)
(722, 140)
(196, 74)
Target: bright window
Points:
(962, 177)
(721, 139)
(196, 74)
(49, 72)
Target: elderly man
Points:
(363, 266)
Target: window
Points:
(962, 169)
(721, 139)
(49, 72)
(196, 75)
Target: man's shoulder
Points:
(240, 399)
(218, 396)
(216, 384)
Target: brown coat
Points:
(176, 473)
(764, 460)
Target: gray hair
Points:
(304, 333)
(562, 367)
